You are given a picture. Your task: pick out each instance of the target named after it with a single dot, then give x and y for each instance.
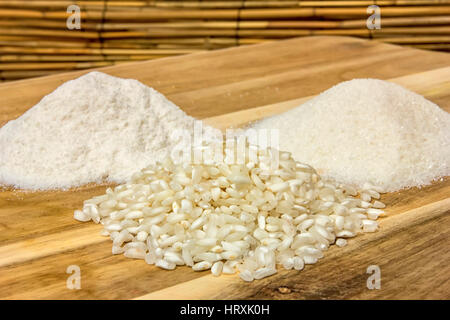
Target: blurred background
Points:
(35, 39)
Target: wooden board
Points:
(39, 238)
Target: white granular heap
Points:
(368, 130)
(94, 128)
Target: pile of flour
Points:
(92, 129)
(368, 130)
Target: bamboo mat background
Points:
(35, 41)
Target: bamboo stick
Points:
(279, 4)
(413, 21)
(51, 24)
(162, 14)
(171, 25)
(50, 44)
(156, 4)
(49, 33)
(418, 40)
(248, 41)
(213, 4)
(14, 13)
(73, 58)
(341, 12)
(18, 38)
(287, 33)
(386, 11)
(223, 25)
(400, 21)
(57, 4)
(431, 38)
(411, 30)
(264, 13)
(204, 43)
(26, 50)
(14, 75)
(157, 33)
(156, 14)
(50, 58)
(54, 65)
(310, 24)
(186, 41)
(434, 46)
(162, 33)
(368, 3)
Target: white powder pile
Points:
(93, 128)
(367, 130)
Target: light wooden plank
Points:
(39, 237)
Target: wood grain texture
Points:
(39, 238)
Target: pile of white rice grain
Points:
(367, 130)
(245, 217)
(94, 128)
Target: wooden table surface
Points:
(39, 238)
